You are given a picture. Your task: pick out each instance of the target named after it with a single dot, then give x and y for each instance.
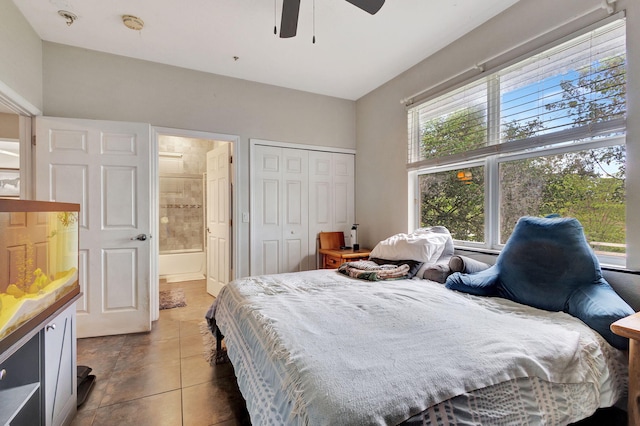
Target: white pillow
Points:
(423, 245)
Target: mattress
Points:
(321, 348)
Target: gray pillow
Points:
(466, 265)
(437, 272)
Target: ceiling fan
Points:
(291, 8)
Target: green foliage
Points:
(458, 132)
(457, 204)
(598, 94)
(588, 185)
(597, 202)
(515, 130)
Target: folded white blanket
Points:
(352, 352)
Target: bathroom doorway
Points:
(183, 234)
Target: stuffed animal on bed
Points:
(548, 264)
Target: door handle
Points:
(141, 237)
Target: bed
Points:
(361, 346)
(322, 348)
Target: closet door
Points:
(343, 192)
(331, 196)
(320, 200)
(280, 210)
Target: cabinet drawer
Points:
(331, 262)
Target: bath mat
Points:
(173, 298)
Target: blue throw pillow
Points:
(548, 264)
(599, 306)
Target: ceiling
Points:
(354, 52)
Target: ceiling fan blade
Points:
(371, 6)
(289, 22)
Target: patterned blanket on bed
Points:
(371, 271)
(283, 333)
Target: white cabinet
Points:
(295, 194)
(39, 371)
(60, 369)
(20, 383)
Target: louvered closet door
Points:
(331, 196)
(280, 210)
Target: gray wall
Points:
(85, 84)
(21, 53)
(81, 83)
(382, 197)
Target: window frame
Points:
(447, 168)
(496, 153)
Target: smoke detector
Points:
(68, 16)
(132, 22)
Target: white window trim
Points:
(492, 186)
(513, 150)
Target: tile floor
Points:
(161, 377)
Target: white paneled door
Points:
(218, 218)
(331, 195)
(104, 167)
(280, 210)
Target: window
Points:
(545, 135)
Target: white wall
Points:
(382, 198)
(20, 55)
(81, 83)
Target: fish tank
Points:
(38, 263)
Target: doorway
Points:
(182, 207)
(183, 202)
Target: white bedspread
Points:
(351, 352)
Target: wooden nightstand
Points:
(630, 327)
(333, 258)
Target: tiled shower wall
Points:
(182, 203)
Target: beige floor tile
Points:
(96, 394)
(84, 418)
(160, 330)
(196, 370)
(191, 345)
(100, 353)
(164, 409)
(140, 381)
(212, 403)
(138, 355)
(161, 377)
(190, 327)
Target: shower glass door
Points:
(181, 213)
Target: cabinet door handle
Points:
(51, 327)
(3, 374)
